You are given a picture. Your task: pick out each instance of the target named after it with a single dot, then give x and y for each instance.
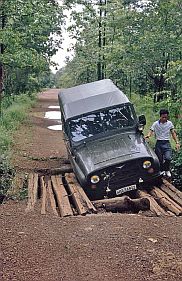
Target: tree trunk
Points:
(124, 203)
(1, 52)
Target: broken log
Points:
(85, 200)
(30, 194)
(124, 203)
(56, 171)
(51, 197)
(174, 189)
(167, 203)
(72, 187)
(154, 206)
(44, 195)
(176, 205)
(61, 159)
(171, 213)
(173, 195)
(62, 197)
(35, 188)
(32, 190)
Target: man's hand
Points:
(150, 133)
(146, 138)
(175, 138)
(177, 146)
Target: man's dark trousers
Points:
(164, 153)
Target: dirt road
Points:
(96, 247)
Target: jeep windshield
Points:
(100, 122)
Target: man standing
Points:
(162, 129)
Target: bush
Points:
(144, 105)
(6, 176)
(10, 120)
(12, 117)
(177, 162)
(177, 170)
(5, 140)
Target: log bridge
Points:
(61, 194)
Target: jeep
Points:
(104, 140)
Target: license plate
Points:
(125, 189)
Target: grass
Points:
(144, 105)
(12, 117)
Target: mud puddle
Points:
(56, 116)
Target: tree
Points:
(27, 41)
(134, 40)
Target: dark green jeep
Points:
(104, 140)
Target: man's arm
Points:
(150, 133)
(175, 138)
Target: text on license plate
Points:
(125, 189)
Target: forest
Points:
(136, 44)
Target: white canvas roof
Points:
(90, 97)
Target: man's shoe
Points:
(168, 174)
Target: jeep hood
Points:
(106, 152)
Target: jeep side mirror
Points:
(141, 123)
(142, 120)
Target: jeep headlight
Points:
(147, 164)
(94, 179)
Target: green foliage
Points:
(12, 117)
(6, 175)
(144, 105)
(177, 161)
(30, 35)
(136, 43)
(5, 139)
(27, 33)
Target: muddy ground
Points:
(95, 247)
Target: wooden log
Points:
(51, 197)
(30, 194)
(174, 189)
(61, 159)
(163, 194)
(171, 194)
(154, 206)
(62, 197)
(161, 198)
(56, 171)
(72, 187)
(35, 188)
(124, 203)
(32, 191)
(44, 196)
(171, 213)
(85, 200)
